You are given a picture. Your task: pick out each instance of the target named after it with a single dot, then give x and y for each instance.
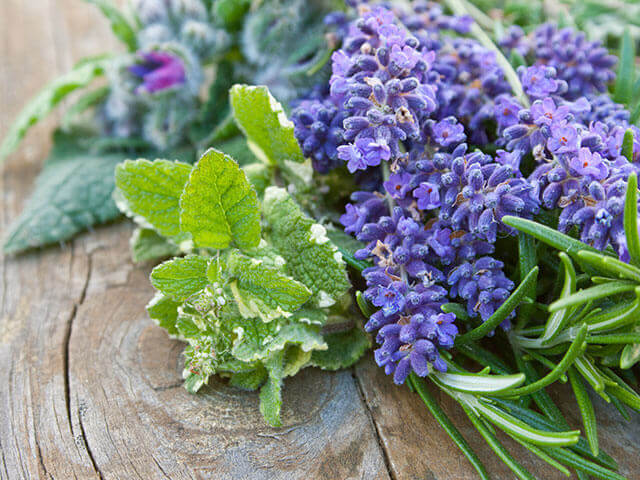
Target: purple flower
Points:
(366, 152)
(539, 81)
(588, 164)
(428, 196)
(389, 299)
(545, 112)
(448, 132)
(564, 139)
(158, 71)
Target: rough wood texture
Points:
(90, 389)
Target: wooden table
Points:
(89, 388)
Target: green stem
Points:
(459, 7)
(495, 445)
(419, 386)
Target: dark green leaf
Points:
(72, 193)
(345, 349)
(631, 219)
(625, 77)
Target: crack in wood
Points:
(376, 430)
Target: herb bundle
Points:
(464, 192)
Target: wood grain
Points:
(90, 389)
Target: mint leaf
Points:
(265, 124)
(311, 257)
(164, 311)
(147, 244)
(258, 340)
(180, 278)
(295, 359)
(45, 101)
(260, 290)
(249, 380)
(218, 205)
(345, 349)
(73, 192)
(271, 392)
(151, 190)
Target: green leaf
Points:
(502, 312)
(479, 384)
(193, 382)
(180, 278)
(260, 176)
(625, 78)
(219, 205)
(262, 291)
(586, 410)
(271, 391)
(631, 353)
(347, 245)
(593, 293)
(548, 235)
(631, 219)
(345, 349)
(230, 13)
(575, 349)
(627, 146)
(45, 101)
(524, 431)
(121, 27)
(250, 380)
(257, 340)
(164, 311)
(610, 267)
(265, 124)
(147, 245)
(558, 319)
(311, 257)
(73, 192)
(151, 192)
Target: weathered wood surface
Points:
(89, 388)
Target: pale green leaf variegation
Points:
(151, 191)
(263, 121)
(258, 340)
(181, 277)
(262, 291)
(311, 257)
(219, 206)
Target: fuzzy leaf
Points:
(147, 245)
(261, 290)
(250, 380)
(258, 340)
(45, 101)
(271, 391)
(181, 277)
(345, 349)
(164, 311)
(265, 124)
(311, 257)
(151, 190)
(219, 205)
(73, 192)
